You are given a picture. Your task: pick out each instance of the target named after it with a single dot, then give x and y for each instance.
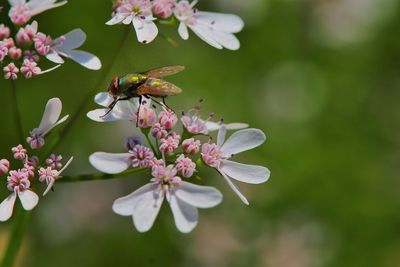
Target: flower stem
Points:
(100, 176)
(105, 75)
(17, 114)
(21, 218)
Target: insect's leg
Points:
(165, 104)
(138, 112)
(110, 107)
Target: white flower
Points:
(124, 110)
(18, 182)
(22, 11)
(65, 45)
(218, 155)
(49, 121)
(216, 29)
(183, 198)
(137, 12)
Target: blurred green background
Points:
(321, 78)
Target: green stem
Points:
(100, 176)
(21, 218)
(16, 111)
(104, 76)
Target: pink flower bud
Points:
(31, 56)
(54, 161)
(163, 8)
(14, 53)
(35, 141)
(147, 117)
(19, 152)
(47, 175)
(185, 166)
(25, 35)
(3, 50)
(167, 119)
(30, 69)
(42, 43)
(170, 143)
(29, 170)
(17, 181)
(10, 71)
(4, 32)
(191, 146)
(141, 157)
(32, 161)
(20, 14)
(4, 166)
(158, 132)
(211, 155)
(9, 42)
(131, 142)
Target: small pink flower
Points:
(194, 124)
(47, 175)
(10, 71)
(42, 43)
(19, 152)
(191, 146)
(167, 119)
(29, 69)
(141, 156)
(131, 142)
(29, 170)
(163, 8)
(164, 174)
(3, 50)
(31, 55)
(185, 166)
(4, 166)
(157, 162)
(20, 14)
(32, 161)
(147, 117)
(170, 143)
(9, 42)
(26, 35)
(54, 161)
(211, 155)
(35, 141)
(184, 12)
(158, 132)
(4, 32)
(18, 181)
(14, 53)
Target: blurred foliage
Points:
(328, 104)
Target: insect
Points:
(146, 84)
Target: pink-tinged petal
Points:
(146, 31)
(110, 162)
(185, 215)
(198, 196)
(235, 189)
(7, 206)
(205, 34)
(245, 173)
(85, 59)
(183, 31)
(54, 57)
(72, 40)
(242, 140)
(146, 209)
(221, 22)
(116, 19)
(124, 205)
(29, 199)
(221, 136)
(51, 114)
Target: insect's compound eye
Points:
(113, 89)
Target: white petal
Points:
(103, 99)
(242, 140)
(205, 34)
(51, 114)
(16, 2)
(38, 6)
(146, 31)
(49, 186)
(213, 126)
(110, 162)
(185, 215)
(235, 189)
(146, 209)
(198, 196)
(221, 136)
(227, 40)
(116, 19)
(54, 57)
(73, 39)
(251, 174)
(183, 31)
(86, 59)
(127, 20)
(28, 199)
(66, 165)
(220, 21)
(7, 206)
(124, 205)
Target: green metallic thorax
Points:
(130, 82)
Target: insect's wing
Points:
(158, 87)
(164, 71)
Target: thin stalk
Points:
(17, 113)
(105, 75)
(100, 176)
(21, 218)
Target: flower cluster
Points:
(173, 158)
(26, 167)
(21, 51)
(216, 29)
